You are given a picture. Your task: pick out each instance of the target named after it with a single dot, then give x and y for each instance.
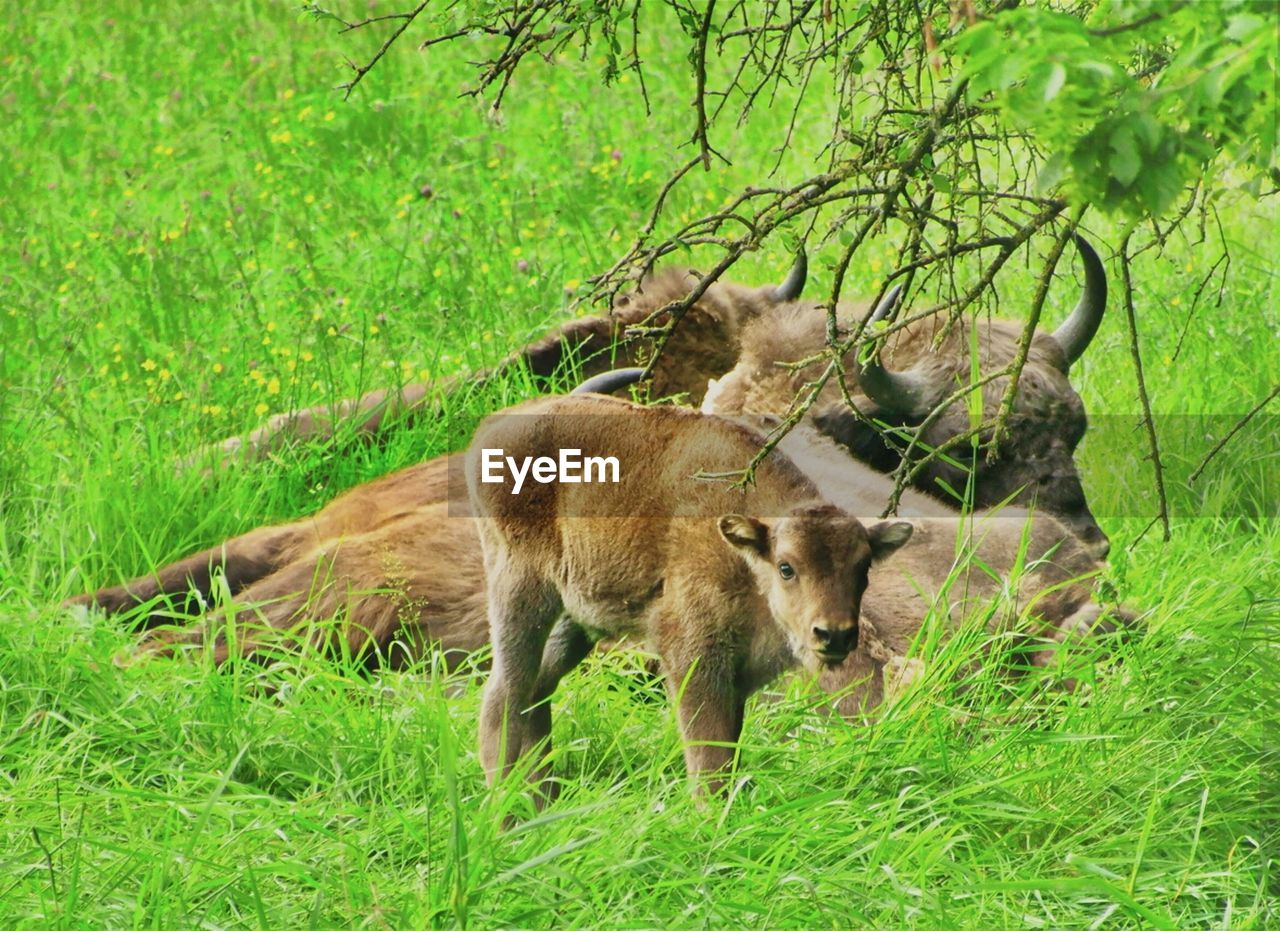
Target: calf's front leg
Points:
(710, 710)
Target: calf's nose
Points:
(835, 641)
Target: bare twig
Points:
(1236, 428)
(406, 20)
(1224, 262)
(1148, 420)
(1029, 332)
(700, 96)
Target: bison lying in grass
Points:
(391, 570)
(740, 336)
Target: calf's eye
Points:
(785, 570)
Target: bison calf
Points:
(729, 586)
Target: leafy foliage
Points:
(1132, 114)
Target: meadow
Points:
(201, 232)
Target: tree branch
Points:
(406, 20)
(1148, 421)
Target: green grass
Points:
(201, 232)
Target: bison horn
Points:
(904, 393)
(793, 284)
(886, 305)
(1078, 329)
(609, 382)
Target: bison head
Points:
(1034, 461)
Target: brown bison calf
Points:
(728, 586)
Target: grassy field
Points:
(201, 232)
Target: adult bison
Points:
(919, 367)
(741, 336)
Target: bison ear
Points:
(885, 538)
(745, 532)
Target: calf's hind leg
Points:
(567, 646)
(522, 609)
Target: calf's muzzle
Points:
(833, 644)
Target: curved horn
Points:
(609, 382)
(904, 393)
(793, 284)
(886, 305)
(1079, 328)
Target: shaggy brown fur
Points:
(1035, 465)
(728, 586)
(403, 576)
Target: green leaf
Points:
(1057, 78)
(1101, 68)
(1126, 161)
(1160, 185)
(1243, 26)
(1052, 171)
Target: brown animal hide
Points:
(921, 365)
